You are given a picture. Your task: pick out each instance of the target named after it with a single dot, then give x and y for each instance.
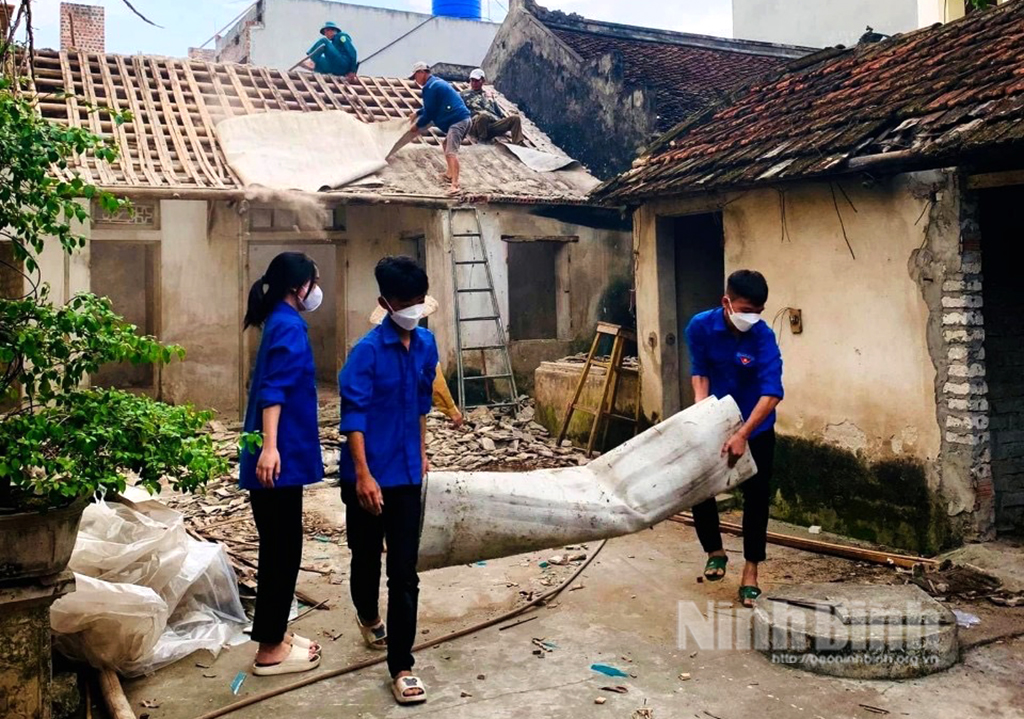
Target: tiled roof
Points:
(687, 72)
(935, 96)
(175, 103)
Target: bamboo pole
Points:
(113, 696)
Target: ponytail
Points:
(287, 273)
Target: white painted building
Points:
(277, 33)
(822, 23)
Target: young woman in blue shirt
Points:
(282, 407)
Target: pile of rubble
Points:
(496, 441)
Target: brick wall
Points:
(82, 27)
(1001, 232)
(202, 54)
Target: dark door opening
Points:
(532, 282)
(1002, 224)
(700, 279)
(128, 274)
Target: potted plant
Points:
(60, 440)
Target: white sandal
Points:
(408, 683)
(298, 660)
(298, 641)
(375, 636)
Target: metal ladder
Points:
(469, 253)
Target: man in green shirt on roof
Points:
(334, 53)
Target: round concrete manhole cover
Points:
(856, 631)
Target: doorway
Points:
(1002, 222)
(700, 279)
(127, 274)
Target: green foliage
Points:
(36, 205)
(59, 439)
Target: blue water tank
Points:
(468, 9)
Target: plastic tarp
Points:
(307, 151)
(540, 161)
(675, 465)
(146, 593)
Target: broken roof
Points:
(687, 72)
(175, 104)
(932, 97)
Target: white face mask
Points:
(743, 321)
(408, 318)
(313, 299)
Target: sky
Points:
(188, 23)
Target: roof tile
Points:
(940, 92)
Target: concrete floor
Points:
(625, 615)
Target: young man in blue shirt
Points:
(733, 352)
(444, 107)
(386, 392)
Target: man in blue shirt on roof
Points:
(444, 107)
(734, 352)
(334, 53)
(386, 393)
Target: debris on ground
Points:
(957, 581)
(608, 671)
(600, 700)
(966, 619)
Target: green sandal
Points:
(747, 596)
(715, 564)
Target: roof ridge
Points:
(929, 118)
(675, 37)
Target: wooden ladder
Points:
(605, 412)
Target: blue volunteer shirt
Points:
(442, 105)
(385, 389)
(745, 365)
(285, 375)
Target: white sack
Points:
(147, 594)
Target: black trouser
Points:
(400, 524)
(278, 515)
(757, 496)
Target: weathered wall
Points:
(555, 383)
(585, 270)
(820, 24)
(287, 28)
(376, 231)
(863, 377)
(572, 100)
(200, 307)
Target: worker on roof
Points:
(489, 120)
(334, 53)
(442, 106)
